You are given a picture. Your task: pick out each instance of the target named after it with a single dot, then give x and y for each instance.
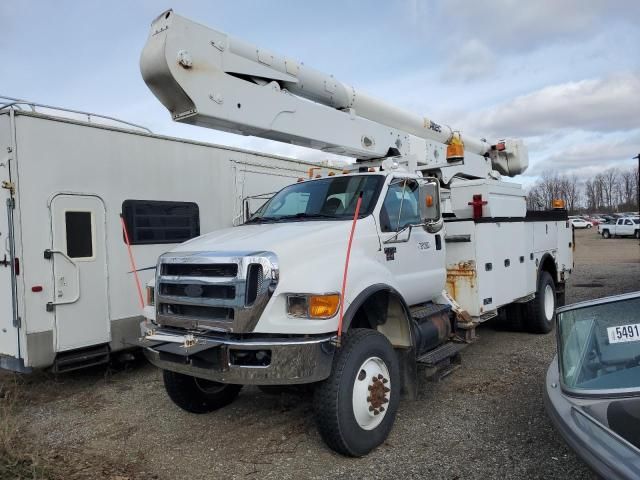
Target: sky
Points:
(562, 74)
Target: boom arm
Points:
(205, 77)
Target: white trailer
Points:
(67, 292)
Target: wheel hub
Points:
(371, 393)
(378, 394)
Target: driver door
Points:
(414, 256)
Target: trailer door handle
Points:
(61, 281)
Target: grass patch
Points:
(17, 460)
(25, 456)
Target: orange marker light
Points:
(557, 203)
(455, 149)
(323, 306)
(429, 201)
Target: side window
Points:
(153, 222)
(628, 222)
(79, 229)
(400, 207)
(620, 222)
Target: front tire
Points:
(356, 406)
(196, 395)
(589, 226)
(541, 311)
(606, 234)
(637, 234)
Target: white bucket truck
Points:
(440, 244)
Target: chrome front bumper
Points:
(291, 360)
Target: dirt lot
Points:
(486, 420)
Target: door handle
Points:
(61, 281)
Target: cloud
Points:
(473, 61)
(515, 26)
(604, 104)
(587, 157)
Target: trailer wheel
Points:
(541, 310)
(356, 406)
(196, 395)
(606, 234)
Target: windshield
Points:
(328, 198)
(599, 346)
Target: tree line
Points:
(614, 190)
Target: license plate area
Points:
(209, 355)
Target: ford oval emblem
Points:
(193, 290)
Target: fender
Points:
(547, 257)
(368, 292)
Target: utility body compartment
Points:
(492, 263)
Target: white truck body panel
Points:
(499, 263)
(60, 165)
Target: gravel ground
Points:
(486, 420)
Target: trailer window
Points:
(153, 222)
(79, 230)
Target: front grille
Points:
(227, 270)
(228, 294)
(198, 291)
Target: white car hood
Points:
(274, 237)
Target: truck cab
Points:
(279, 275)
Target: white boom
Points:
(205, 77)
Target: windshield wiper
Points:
(306, 215)
(261, 220)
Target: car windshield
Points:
(327, 198)
(599, 346)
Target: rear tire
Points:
(541, 312)
(196, 395)
(356, 406)
(606, 234)
(637, 234)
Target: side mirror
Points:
(430, 205)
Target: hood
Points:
(274, 237)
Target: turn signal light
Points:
(313, 306)
(323, 306)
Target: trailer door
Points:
(78, 254)
(9, 338)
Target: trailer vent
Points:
(228, 270)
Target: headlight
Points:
(150, 296)
(313, 306)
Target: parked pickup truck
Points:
(625, 226)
